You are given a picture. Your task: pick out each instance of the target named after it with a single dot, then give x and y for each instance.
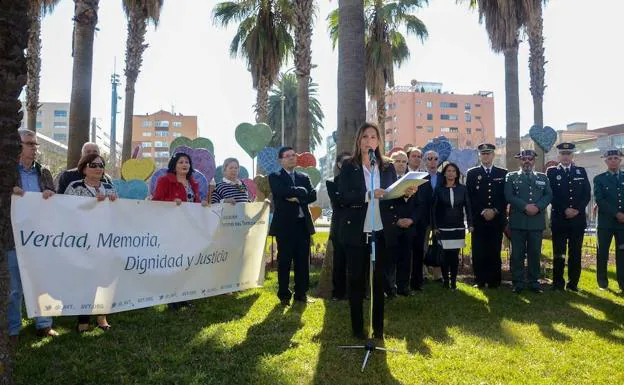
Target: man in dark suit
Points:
(486, 189)
(609, 194)
(571, 194)
(292, 225)
(339, 265)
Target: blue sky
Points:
(187, 65)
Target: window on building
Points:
(161, 154)
(146, 144)
(176, 134)
(468, 130)
(449, 129)
(147, 154)
(477, 105)
(468, 117)
(448, 117)
(448, 105)
(161, 124)
(147, 123)
(161, 133)
(39, 113)
(147, 133)
(418, 101)
(467, 107)
(59, 137)
(429, 116)
(468, 143)
(478, 117)
(161, 144)
(60, 124)
(177, 124)
(419, 127)
(39, 125)
(478, 129)
(429, 104)
(60, 113)
(429, 128)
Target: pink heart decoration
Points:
(306, 159)
(251, 187)
(202, 159)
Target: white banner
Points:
(79, 256)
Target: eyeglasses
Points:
(30, 144)
(95, 165)
(432, 158)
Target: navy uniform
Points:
(571, 189)
(486, 190)
(609, 193)
(522, 189)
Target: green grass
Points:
(466, 337)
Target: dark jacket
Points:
(72, 175)
(487, 192)
(424, 200)
(445, 216)
(336, 206)
(608, 191)
(569, 191)
(285, 212)
(169, 189)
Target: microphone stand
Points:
(370, 347)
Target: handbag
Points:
(435, 253)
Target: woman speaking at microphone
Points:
(365, 217)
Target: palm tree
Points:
(304, 12)
(385, 44)
(503, 20)
(13, 73)
(139, 13)
(85, 20)
(289, 83)
(262, 38)
(36, 10)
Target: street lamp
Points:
(283, 98)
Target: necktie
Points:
(487, 171)
(292, 176)
(567, 171)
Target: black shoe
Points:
(453, 286)
(573, 288)
(285, 301)
(537, 290)
(557, 288)
(517, 290)
(404, 293)
(303, 299)
(493, 285)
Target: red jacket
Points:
(169, 189)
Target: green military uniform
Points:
(609, 193)
(522, 189)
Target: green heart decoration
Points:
(194, 143)
(312, 172)
(253, 138)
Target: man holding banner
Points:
(292, 225)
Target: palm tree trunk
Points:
(262, 99)
(381, 119)
(135, 46)
(537, 71)
(512, 106)
(33, 63)
(351, 73)
(85, 20)
(303, 61)
(13, 75)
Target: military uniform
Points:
(486, 190)
(609, 193)
(522, 189)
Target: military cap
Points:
(566, 147)
(615, 152)
(486, 147)
(524, 153)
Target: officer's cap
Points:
(566, 147)
(524, 153)
(486, 147)
(615, 152)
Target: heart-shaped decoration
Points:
(262, 184)
(139, 169)
(551, 163)
(242, 173)
(441, 145)
(312, 172)
(253, 138)
(543, 137)
(251, 187)
(200, 142)
(306, 159)
(202, 159)
(464, 159)
(131, 189)
(315, 212)
(267, 160)
(197, 175)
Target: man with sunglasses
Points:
(609, 193)
(33, 177)
(528, 193)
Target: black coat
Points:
(571, 191)
(445, 216)
(487, 192)
(337, 208)
(352, 192)
(286, 213)
(423, 202)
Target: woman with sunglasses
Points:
(92, 168)
(231, 189)
(178, 186)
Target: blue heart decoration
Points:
(543, 137)
(464, 159)
(131, 189)
(199, 178)
(267, 160)
(442, 146)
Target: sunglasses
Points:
(432, 158)
(95, 165)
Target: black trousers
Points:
(339, 272)
(398, 265)
(570, 238)
(604, 241)
(418, 256)
(294, 249)
(357, 265)
(486, 254)
(450, 263)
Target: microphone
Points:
(372, 157)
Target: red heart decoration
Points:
(306, 159)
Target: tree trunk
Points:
(381, 119)
(13, 75)
(537, 71)
(512, 107)
(33, 63)
(135, 46)
(85, 20)
(262, 99)
(351, 73)
(303, 61)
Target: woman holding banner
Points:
(231, 190)
(92, 168)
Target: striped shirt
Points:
(227, 189)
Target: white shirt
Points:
(368, 227)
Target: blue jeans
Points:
(16, 295)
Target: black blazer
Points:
(352, 191)
(286, 213)
(487, 192)
(424, 200)
(445, 216)
(336, 205)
